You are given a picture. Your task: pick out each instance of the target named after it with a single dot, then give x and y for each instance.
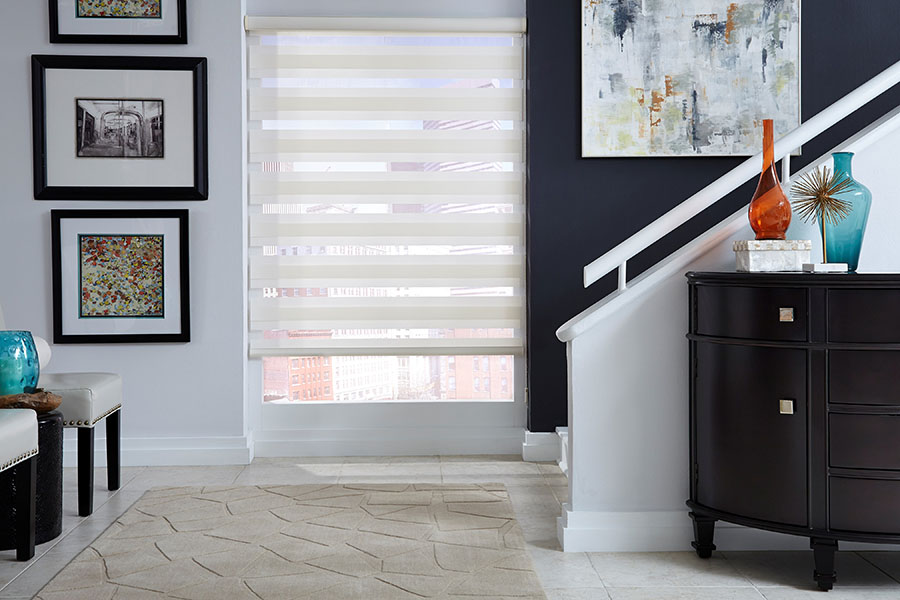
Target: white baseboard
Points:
(383, 441)
(563, 433)
(540, 446)
(666, 531)
(140, 452)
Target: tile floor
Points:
(535, 490)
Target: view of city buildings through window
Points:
(387, 378)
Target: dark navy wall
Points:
(580, 208)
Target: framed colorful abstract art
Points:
(120, 276)
(119, 128)
(118, 21)
(687, 77)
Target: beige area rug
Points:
(329, 542)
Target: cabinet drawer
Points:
(864, 316)
(864, 505)
(751, 313)
(864, 377)
(865, 441)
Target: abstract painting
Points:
(143, 9)
(687, 77)
(121, 276)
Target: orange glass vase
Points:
(770, 210)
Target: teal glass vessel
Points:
(843, 241)
(19, 365)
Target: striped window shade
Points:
(386, 189)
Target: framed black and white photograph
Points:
(119, 128)
(120, 276)
(118, 21)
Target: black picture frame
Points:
(100, 38)
(61, 335)
(40, 64)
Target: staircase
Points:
(627, 356)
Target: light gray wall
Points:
(190, 391)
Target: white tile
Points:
(415, 459)
(576, 594)
(391, 469)
(561, 492)
(489, 468)
(182, 476)
(536, 500)
(483, 458)
(557, 569)
(795, 569)
(838, 593)
(659, 569)
(685, 593)
(299, 460)
(889, 562)
(285, 474)
(126, 474)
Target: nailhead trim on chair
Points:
(94, 422)
(18, 459)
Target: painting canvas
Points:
(118, 21)
(687, 77)
(121, 9)
(121, 276)
(118, 128)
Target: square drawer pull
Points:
(786, 407)
(786, 315)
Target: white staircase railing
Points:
(617, 258)
(676, 262)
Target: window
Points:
(477, 384)
(295, 363)
(502, 363)
(296, 395)
(487, 384)
(295, 379)
(504, 385)
(386, 189)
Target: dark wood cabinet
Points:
(795, 407)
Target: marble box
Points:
(763, 256)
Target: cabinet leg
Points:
(704, 528)
(823, 552)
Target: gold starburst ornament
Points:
(814, 197)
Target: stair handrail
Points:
(617, 257)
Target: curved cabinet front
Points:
(751, 445)
(795, 407)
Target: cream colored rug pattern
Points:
(330, 542)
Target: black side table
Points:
(48, 517)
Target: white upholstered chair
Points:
(19, 446)
(87, 399)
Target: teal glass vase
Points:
(19, 365)
(843, 241)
